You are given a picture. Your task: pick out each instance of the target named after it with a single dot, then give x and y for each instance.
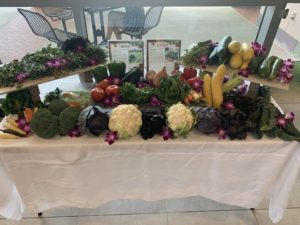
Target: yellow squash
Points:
(207, 89)
(236, 61)
(216, 84)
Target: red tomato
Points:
(97, 94)
(112, 90)
(103, 84)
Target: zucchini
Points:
(222, 47)
(255, 63)
(133, 75)
(266, 66)
(275, 68)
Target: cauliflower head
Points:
(126, 120)
(180, 119)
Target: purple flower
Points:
(213, 44)
(57, 63)
(221, 133)
(289, 116)
(27, 129)
(228, 106)
(92, 62)
(203, 60)
(154, 101)
(111, 137)
(79, 48)
(166, 133)
(281, 122)
(244, 72)
(285, 74)
(258, 48)
(74, 132)
(20, 77)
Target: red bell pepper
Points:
(189, 72)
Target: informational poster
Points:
(130, 52)
(162, 53)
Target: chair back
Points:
(39, 25)
(152, 18)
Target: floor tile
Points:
(126, 207)
(291, 217)
(244, 217)
(196, 203)
(145, 219)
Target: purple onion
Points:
(115, 100)
(197, 85)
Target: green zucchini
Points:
(266, 66)
(213, 57)
(133, 75)
(222, 47)
(275, 68)
(255, 63)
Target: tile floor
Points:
(194, 210)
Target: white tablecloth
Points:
(87, 172)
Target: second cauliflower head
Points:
(180, 119)
(126, 120)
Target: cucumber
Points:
(255, 63)
(275, 67)
(213, 57)
(266, 66)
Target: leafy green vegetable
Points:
(191, 57)
(44, 124)
(131, 94)
(52, 95)
(16, 102)
(99, 73)
(171, 90)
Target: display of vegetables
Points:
(126, 120)
(180, 119)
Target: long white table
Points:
(87, 172)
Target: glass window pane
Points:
(287, 41)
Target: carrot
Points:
(190, 97)
(28, 114)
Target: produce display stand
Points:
(30, 84)
(252, 78)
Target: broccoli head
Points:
(57, 106)
(68, 119)
(44, 124)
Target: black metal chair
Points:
(151, 20)
(41, 27)
(57, 14)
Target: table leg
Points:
(93, 26)
(102, 24)
(64, 26)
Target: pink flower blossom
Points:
(221, 133)
(21, 77)
(74, 132)
(281, 122)
(228, 106)
(203, 60)
(154, 101)
(289, 116)
(166, 133)
(111, 137)
(258, 48)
